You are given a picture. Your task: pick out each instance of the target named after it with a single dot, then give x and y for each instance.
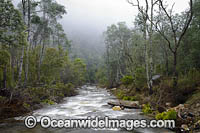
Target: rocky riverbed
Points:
(91, 101)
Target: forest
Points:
(156, 61)
(34, 55)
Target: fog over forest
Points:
(86, 20)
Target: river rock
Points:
(168, 104)
(113, 89)
(197, 105)
(126, 104)
(184, 127)
(179, 107)
(156, 79)
(197, 125)
(116, 108)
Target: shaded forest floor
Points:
(184, 100)
(29, 99)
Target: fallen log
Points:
(125, 104)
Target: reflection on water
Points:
(91, 101)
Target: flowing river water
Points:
(91, 101)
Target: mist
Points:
(88, 19)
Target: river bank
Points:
(186, 115)
(90, 101)
(33, 98)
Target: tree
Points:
(79, 69)
(12, 32)
(22, 54)
(177, 26)
(147, 34)
(118, 55)
(190, 48)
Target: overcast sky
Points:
(93, 16)
(89, 18)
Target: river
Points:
(91, 101)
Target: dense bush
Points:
(147, 109)
(189, 80)
(48, 101)
(126, 80)
(169, 115)
(130, 98)
(139, 77)
(64, 89)
(120, 94)
(3, 99)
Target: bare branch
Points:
(171, 10)
(131, 2)
(155, 2)
(169, 16)
(187, 23)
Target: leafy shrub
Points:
(129, 98)
(125, 98)
(169, 115)
(167, 84)
(139, 78)
(120, 94)
(3, 99)
(26, 105)
(147, 109)
(195, 97)
(47, 101)
(189, 80)
(65, 89)
(39, 92)
(127, 80)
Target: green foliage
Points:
(3, 99)
(140, 78)
(189, 80)
(4, 58)
(169, 115)
(48, 101)
(79, 70)
(167, 84)
(5, 69)
(34, 56)
(194, 98)
(64, 89)
(26, 105)
(147, 109)
(127, 80)
(120, 94)
(129, 98)
(100, 76)
(52, 65)
(11, 25)
(39, 92)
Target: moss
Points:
(120, 94)
(147, 109)
(47, 101)
(194, 98)
(168, 115)
(127, 80)
(125, 98)
(129, 98)
(26, 105)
